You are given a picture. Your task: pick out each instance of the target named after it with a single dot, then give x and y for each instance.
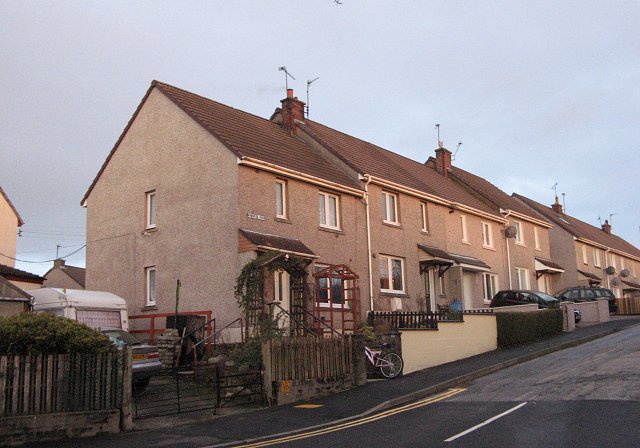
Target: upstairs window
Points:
(519, 232)
(281, 199)
(390, 208)
(425, 217)
(463, 225)
(150, 285)
(329, 211)
(487, 235)
(150, 213)
(596, 257)
(536, 238)
(585, 259)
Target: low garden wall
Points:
(595, 311)
(451, 341)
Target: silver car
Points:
(146, 358)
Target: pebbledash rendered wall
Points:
(195, 178)
(452, 341)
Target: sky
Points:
(538, 92)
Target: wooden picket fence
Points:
(628, 305)
(305, 358)
(31, 385)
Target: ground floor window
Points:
(150, 285)
(391, 274)
(490, 283)
(333, 291)
(522, 278)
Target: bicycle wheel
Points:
(391, 365)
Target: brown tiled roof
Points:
(9, 290)
(368, 158)
(6, 198)
(490, 192)
(581, 229)
(8, 271)
(256, 137)
(246, 135)
(549, 263)
(277, 242)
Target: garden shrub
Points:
(523, 328)
(46, 334)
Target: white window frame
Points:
(442, 283)
(536, 238)
(596, 258)
(327, 199)
(487, 235)
(525, 273)
(633, 269)
(613, 262)
(389, 199)
(150, 285)
(519, 238)
(465, 233)
(585, 259)
(621, 263)
(151, 210)
(389, 272)
(424, 214)
(281, 196)
(489, 286)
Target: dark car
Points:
(523, 297)
(146, 358)
(588, 294)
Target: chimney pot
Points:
(557, 207)
(289, 93)
(606, 227)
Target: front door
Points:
(282, 296)
(467, 289)
(542, 283)
(429, 289)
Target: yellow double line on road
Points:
(372, 418)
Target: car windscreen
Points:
(121, 338)
(546, 297)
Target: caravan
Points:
(96, 309)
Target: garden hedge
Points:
(523, 328)
(46, 334)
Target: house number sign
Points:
(256, 216)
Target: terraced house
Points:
(587, 252)
(193, 190)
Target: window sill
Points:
(331, 230)
(489, 247)
(386, 293)
(520, 244)
(466, 242)
(149, 308)
(396, 225)
(424, 232)
(149, 230)
(284, 220)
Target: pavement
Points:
(242, 425)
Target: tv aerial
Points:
(308, 84)
(287, 75)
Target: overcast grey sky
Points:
(538, 91)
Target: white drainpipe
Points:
(506, 224)
(369, 254)
(606, 265)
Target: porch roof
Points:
(544, 265)
(631, 285)
(589, 275)
(443, 258)
(277, 243)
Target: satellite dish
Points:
(510, 232)
(610, 270)
(625, 273)
(615, 281)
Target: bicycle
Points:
(390, 364)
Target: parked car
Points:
(588, 294)
(577, 315)
(523, 297)
(146, 358)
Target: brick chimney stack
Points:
(557, 207)
(606, 227)
(292, 110)
(443, 161)
(58, 263)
